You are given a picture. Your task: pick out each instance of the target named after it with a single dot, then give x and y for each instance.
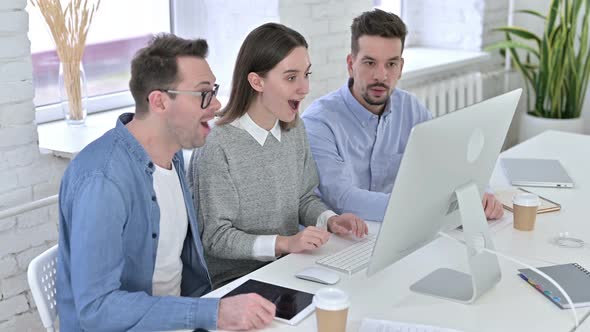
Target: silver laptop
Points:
(536, 173)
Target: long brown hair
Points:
(261, 51)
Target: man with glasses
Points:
(130, 254)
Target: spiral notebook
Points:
(573, 278)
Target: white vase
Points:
(532, 126)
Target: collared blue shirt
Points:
(357, 152)
(109, 226)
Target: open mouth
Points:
(206, 126)
(294, 104)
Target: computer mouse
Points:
(319, 274)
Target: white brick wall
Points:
(225, 24)
(326, 27)
(25, 174)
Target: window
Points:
(118, 30)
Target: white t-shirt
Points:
(173, 228)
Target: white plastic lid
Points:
(331, 299)
(526, 199)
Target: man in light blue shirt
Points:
(358, 133)
(130, 257)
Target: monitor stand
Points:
(483, 266)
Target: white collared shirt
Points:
(258, 133)
(264, 245)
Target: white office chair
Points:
(41, 277)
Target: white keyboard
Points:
(351, 259)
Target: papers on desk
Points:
(375, 325)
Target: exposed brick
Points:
(22, 155)
(11, 22)
(13, 4)
(15, 114)
(15, 46)
(6, 224)
(29, 321)
(14, 198)
(36, 173)
(12, 306)
(33, 218)
(31, 300)
(54, 213)
(14, 285)
(310, 28)
(8, 326)
(295, 12)
(298, 2)
(339, 24)
(338, 55)
(8, 266)
(330, 40)
(16, 92)
(43, 190)
(24, 258)
(332, 70)
(15, 241)
(8, 180)
(326, 10)
(18, 134)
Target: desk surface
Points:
(511, 305)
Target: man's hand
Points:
(348, 223)
(245, 312)
(492, 207)
(310, 238)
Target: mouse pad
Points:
(289, 302)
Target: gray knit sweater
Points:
(242, 190)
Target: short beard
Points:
(372, 102)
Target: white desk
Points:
(510, 306)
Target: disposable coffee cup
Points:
(331, 309)
(524, 206)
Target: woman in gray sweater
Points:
(254, 179)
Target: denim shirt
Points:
(109, 226)
(358, 153)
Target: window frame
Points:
(98, 103)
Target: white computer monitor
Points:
(444, 172)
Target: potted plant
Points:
(555, 66)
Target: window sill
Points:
(66, 141)
(421, 63)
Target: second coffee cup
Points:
(525, 207)
(331, 309)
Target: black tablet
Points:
(292, 305)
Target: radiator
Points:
(450, 93)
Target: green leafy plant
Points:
(556, 65)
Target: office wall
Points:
(25, 174)
(209, 19)
(326, 27)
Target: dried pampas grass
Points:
(69, 28)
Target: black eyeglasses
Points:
(206, 96)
